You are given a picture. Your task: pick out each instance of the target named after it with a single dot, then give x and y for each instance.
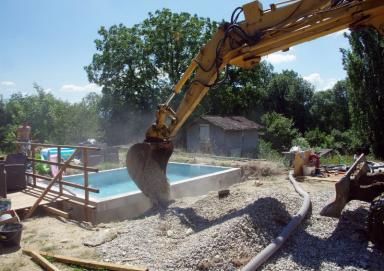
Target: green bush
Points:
(41, 168)
(266, 151)
(344, 142)
(301, 142)
(279, 131)
(315, 137)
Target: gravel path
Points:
(208, 233)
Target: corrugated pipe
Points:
(267, 252)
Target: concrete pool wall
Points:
(133, 204)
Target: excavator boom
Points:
(242, 44)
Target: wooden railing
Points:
(62, 166)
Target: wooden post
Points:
(93, 264)
(86, 192)
(59, 167)
(33, 208)
(41, 260)
(33, 165)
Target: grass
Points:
(49, 259)
(342, 159)
(337, 159)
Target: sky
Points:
(50, 41)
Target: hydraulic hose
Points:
(267, 252)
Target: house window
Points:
(204, 133)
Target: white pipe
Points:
(267, 252)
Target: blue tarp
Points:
(65, 152)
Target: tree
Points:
(41, 111)
(329, 108)
(280, 130)
(137, 67)
(364, 64)
(290, 95)
(243, 92)
(341, 108)
(5, 136)
(315, 137)
(52, 120)
(322, 107)
(84, 121)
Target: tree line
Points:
(52, 120)
(137, 67)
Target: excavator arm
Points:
(242, 44)
(262, 33)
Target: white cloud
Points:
(313, 78)
(72, 88)
(7, 83)
(277, 58)
(319, 82)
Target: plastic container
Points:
(15, 167)
(5, 205)
(5, 217)
(15, 177)
(308, 170)
(10, 234)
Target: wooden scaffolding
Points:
(41, 194)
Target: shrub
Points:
(301, 142)
(315, 137)
(279, 130)
(41, 168)
(266, 151)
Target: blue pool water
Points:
(117, 181)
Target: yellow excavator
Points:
(242, 44)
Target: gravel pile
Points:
(323, 243)
(208, 233)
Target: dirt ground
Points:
(65, 237)
(52, 235)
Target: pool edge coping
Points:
(229, 169)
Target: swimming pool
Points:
(117, 181)
(120, 199)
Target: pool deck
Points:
(26, 198)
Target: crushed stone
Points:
(208, 233)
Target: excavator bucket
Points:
(343, 189)
(147, 166)
(336, 206)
